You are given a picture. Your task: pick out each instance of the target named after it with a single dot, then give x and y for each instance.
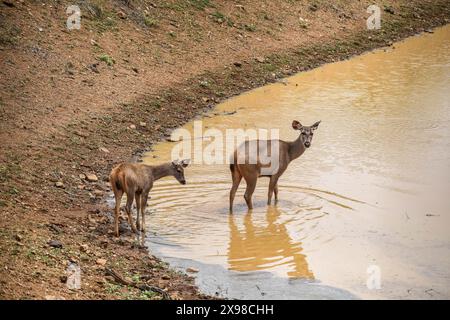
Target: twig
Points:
(143, 287)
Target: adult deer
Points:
(136, 180)
(266, 158)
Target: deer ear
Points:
(175, 163)
(296, 125)
(315, 125)
(185, 162)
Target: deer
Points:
(136, 180)
(249, 161)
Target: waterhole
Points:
(373, 189)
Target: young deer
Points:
(136, 180)
(247, 161)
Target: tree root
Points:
(142, 287)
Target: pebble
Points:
(55, 244)
(59, 184)
(91, 177)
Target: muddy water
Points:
(370, 197)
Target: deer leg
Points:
(130, 199)
(251, 185)
(272, 186)
(118, 196)
(144, 200)
(237, 177)
(275, 189)
(138, 209)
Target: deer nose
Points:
(307, 144)
(183, 181)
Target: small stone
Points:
(135, 69)
(142, 124)
(54, 298)
(63, 279)
(84, 248)
(59, 184)
(260, 59)
(192, 270)
(103, 149)
(165, 277)
(238, 64)
(101, 261)
(55, 244)
(132, 126)
(18, 237)
(82, 176)
(91, 177)
(389, 10)
(98, 193)
(121, 15)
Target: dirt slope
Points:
(68, 99)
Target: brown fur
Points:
(136, 180)
(287, 152)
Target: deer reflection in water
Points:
(265, 247)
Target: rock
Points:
(101, 261)
(121, 15)
(98, 193)
(84, 248)
(93, 67)
(91, 177)
(205, 99)
(55, 244)
(142, 124)
(314, 7)
(54, 298)
(165, 277)
(59, 184)
(389, 10)
(260, 59)
(132, 126)
(103, 149)
(82, 176)
(9, 4)
(192, 270)
(135, 69)
(63, 278)
(238, 64)
(82, 134)
(18, 237)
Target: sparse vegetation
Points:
(221, 18)
(107, 59)
(150, 21)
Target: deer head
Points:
(306, 133)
